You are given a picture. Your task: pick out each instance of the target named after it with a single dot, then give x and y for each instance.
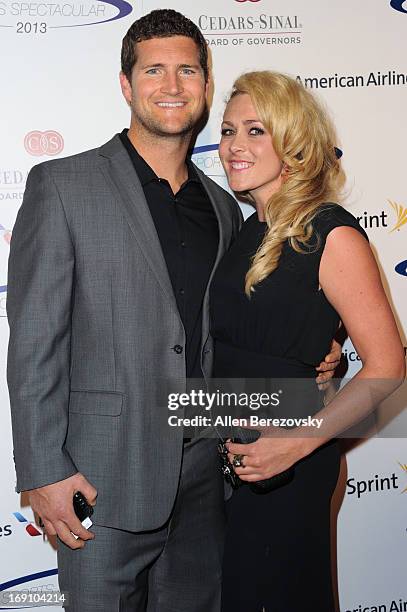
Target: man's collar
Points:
(144, 171)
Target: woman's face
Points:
(247, 152)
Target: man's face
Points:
(167, 92)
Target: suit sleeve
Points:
(39, 301)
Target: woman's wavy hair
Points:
(304, 139)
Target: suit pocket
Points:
(101, 403)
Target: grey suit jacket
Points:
(93, 326)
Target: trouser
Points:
(176, 568)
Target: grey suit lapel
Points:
(119, 173)
(123, 180)
(225, 233)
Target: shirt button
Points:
(182, 291)
(177, 349)
(183, 244)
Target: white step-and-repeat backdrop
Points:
(59, 65)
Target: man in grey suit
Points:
(111, 259)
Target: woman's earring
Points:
(284, 172)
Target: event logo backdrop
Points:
(23, 16)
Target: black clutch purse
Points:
(247, 436)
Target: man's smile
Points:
(171, 104)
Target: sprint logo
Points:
(401, 215)
(404, 468)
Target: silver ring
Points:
(238, 461)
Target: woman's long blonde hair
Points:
(304, 139)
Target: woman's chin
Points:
(237, 185)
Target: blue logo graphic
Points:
(215, 147)
(205, 148)
(398, 5)
(124, 9)
(401, 268)
(4, 586)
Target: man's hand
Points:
(53, 504)
(327, 367)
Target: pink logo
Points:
(43, 143)
(5, 233)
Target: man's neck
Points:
(166, 156)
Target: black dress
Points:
(277, 553)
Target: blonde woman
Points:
(300, 265)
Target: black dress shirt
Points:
(188, 232)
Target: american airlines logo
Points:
(29, 527)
